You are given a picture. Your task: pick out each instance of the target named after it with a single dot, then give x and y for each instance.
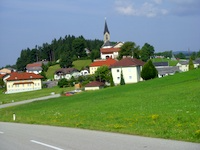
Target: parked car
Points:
(69, 93)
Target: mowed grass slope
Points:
(167, 107)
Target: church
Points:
(108, 50)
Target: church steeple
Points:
(106, 27)
(106, 33)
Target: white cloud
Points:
(146, 9)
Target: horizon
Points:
(172, 25)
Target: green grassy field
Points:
(171, 62)
(8, 98)
(50, 72)
(79, 64)
(166, 107)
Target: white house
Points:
(66, 73)
(130, 68)
(35, 67)
(95, 85)
(84, 72)
(184, 65)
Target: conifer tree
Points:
(111, 80)
(149, 71)
(122, 82)
(191, 64)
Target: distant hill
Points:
(186, 53)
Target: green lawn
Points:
(8, 98)
(171, 62)
(166, 107)
(51, 71)
(79, 64)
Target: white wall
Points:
(130, 74)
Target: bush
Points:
(63, 83)
(149, 71)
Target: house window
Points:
(130, 77)
(117, 70)
(118, 78)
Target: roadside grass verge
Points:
(166, 107)
(8, 98)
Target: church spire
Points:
(106, 28)
(106, 33)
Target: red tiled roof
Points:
(14, 76)
(106, 62)
(109, 50)
(128, 61)
(2, 75)
(94, 84)
(34, 65)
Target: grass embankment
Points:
(52, 69)
(79, 64)
(166, 108)
(8, 98)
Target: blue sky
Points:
(165, 24)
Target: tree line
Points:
(65, 50)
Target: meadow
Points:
(166, 107)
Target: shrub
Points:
(63, 83)
(149, 71)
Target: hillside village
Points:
(128, 67)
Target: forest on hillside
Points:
(69, 48)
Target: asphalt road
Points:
(15, 136)
(29, 101)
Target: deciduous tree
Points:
(102, 74)
(129, 49)
(147, 51)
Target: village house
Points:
(35, 67)
(130, 68)
(98, 63)
(184, 65)
(94, 85)
(164, 69)
(7, 70)
(22, 82)
(66, 73)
